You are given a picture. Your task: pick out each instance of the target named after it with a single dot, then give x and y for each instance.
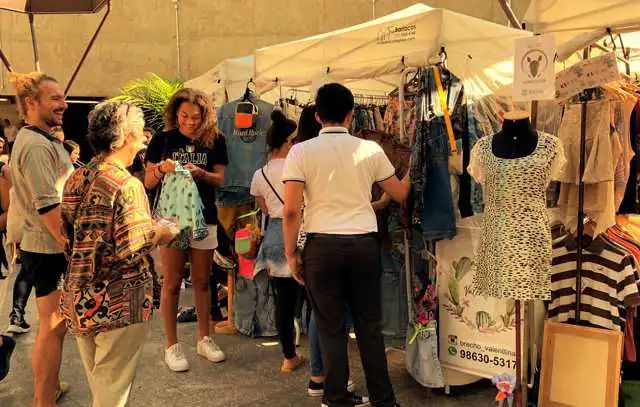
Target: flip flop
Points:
(301, 362)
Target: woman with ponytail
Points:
(268, 190)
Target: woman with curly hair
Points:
(108, 291)
(192, 139)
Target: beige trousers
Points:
(110, 360)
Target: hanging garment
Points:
(392, 119)
(422, 359)
(629, 204)
(180, 202)
(474, 134)
(246, 149)
(254, 307)
(433, 207)
(609, 282)
(394, 214)
(514, 255)
(603, 152)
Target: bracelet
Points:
(157, 176)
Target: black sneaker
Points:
(18, 326)
(187, 315)
(352, 400)
(316, 389)
(6, 349)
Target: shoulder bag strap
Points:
(159, 186)
(445, 110)
(271, 186)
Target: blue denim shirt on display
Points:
(246, 149)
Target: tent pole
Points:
(508, 11)
(88, 49)
(34, 43)
(605, 49)
(5, 61)
(580, 238)
(519, 387)
(176, 4)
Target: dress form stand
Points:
(517, 139)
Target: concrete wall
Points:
(140, 35)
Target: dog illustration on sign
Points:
(534, 63)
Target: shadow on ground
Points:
(250, 377)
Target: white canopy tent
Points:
(230, 76)
(577, 24)
(374, 53)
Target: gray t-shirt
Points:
(40, 167)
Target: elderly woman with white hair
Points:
(108, 291)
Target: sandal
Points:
(62, 390)
(286, 369)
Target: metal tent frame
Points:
(33, 7)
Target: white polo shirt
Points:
(338, 171)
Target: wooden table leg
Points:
(228, 327)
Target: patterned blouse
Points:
(106, 220)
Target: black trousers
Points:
(287, 293)
(339, 271)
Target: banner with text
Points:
(587, 74)
(477, 334)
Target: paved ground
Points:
(250, 377)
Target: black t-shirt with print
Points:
(176, 146)
(138, 162)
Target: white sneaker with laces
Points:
(175, 359)
(208, 349)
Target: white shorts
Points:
(210, 243)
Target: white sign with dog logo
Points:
(534, 71)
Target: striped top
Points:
(609, 282)
(106, 220)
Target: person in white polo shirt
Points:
(333, 175)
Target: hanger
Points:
(248, 91)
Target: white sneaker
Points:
(175, 359)
(208, 349)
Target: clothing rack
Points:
(377, 100)
(585, 96)
(584, 99)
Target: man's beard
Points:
(52, 122)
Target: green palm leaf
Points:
(151, 94)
